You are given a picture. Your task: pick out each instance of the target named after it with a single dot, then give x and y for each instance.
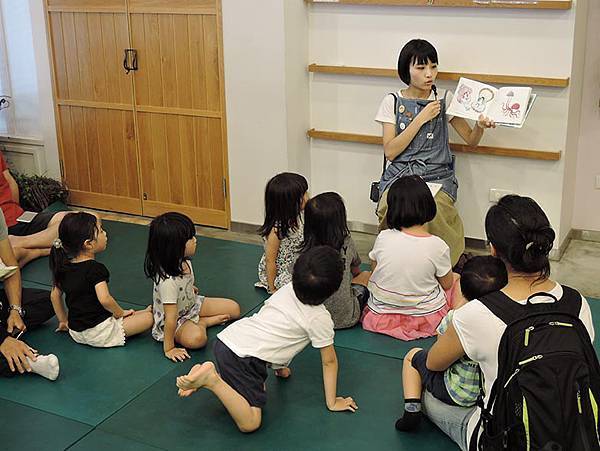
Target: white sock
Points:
(45, 365)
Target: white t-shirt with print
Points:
(480, 331)
(386, 113)
(173, 290)
(405, 278)
(280, 330)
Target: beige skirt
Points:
(107, 334)
(447, 223)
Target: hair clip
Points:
(57, 243)
(528, 245)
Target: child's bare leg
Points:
(412, 385)
(246, 417)
(191, 335)
(137, 323)
(362, 278)
(220, 306)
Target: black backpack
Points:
(545, 396)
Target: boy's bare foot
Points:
(284, 373)
(215, 320)
(199, 376)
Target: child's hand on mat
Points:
(63, 326)
(342, 404)
(430, 112)
(177, 354)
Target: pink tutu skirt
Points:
(406, 327)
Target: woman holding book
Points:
(415, 140)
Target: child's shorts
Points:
(433, 381)
(107, 334)
(246, 375)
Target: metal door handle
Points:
(130, 60)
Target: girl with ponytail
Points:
(94, 317)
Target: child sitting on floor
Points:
(181, 315)
(412, 282)
(290, 319)
(325, 225)
(286, 195)
(95, 318)
(459, 384)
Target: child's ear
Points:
(88, 243)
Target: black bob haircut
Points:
(416, 51)
(318, 273)
(165, 254)
(482, 275)
(410, 203)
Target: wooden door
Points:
(94, 103)
(180, 108)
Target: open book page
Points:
(529, 105)
(510, 105)
(471, 99)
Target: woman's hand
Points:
(485, 122)
(431, 111)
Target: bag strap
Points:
(395, 96)
(502, 306)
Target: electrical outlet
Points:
(597, 184)
(497, 194)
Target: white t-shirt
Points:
(480, 331)
(173, 290)
(405, 278)
(282, 328)
(386, 113)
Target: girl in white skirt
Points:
(94, 318)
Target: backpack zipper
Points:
(530, 359)
(527, 332)
(582, 429)
(551, 323)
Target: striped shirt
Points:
(462, 378)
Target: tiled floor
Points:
(579, 267)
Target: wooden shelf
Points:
(453, 76)
(518, 4)
(480, 150)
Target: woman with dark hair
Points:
(415, 140)
(521, 236)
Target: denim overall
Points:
(428, 155)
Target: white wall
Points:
(586, 213)
(515, 42)
(266, 87)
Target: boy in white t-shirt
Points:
(290, 319)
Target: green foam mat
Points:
(23, 428)
(222, 268)
(102, 441)
(295, 416)
(93, 383)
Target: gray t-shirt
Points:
(343, 305)
(3, 227)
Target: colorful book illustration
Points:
(508, 106)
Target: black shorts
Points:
(433, 381)
(37, 224)
(245, 375)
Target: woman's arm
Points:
(12, 184)
(445, 351)
(471, 136)
(271, 250)
(394, 145)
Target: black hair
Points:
(325, 222)
(416, 51)
(284, 194)
(410, 203)
(482, 275)
(165, 254)
(74, 230)
(521, 234)
(317, 274)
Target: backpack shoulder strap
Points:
(502, 306)
(570, 301)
